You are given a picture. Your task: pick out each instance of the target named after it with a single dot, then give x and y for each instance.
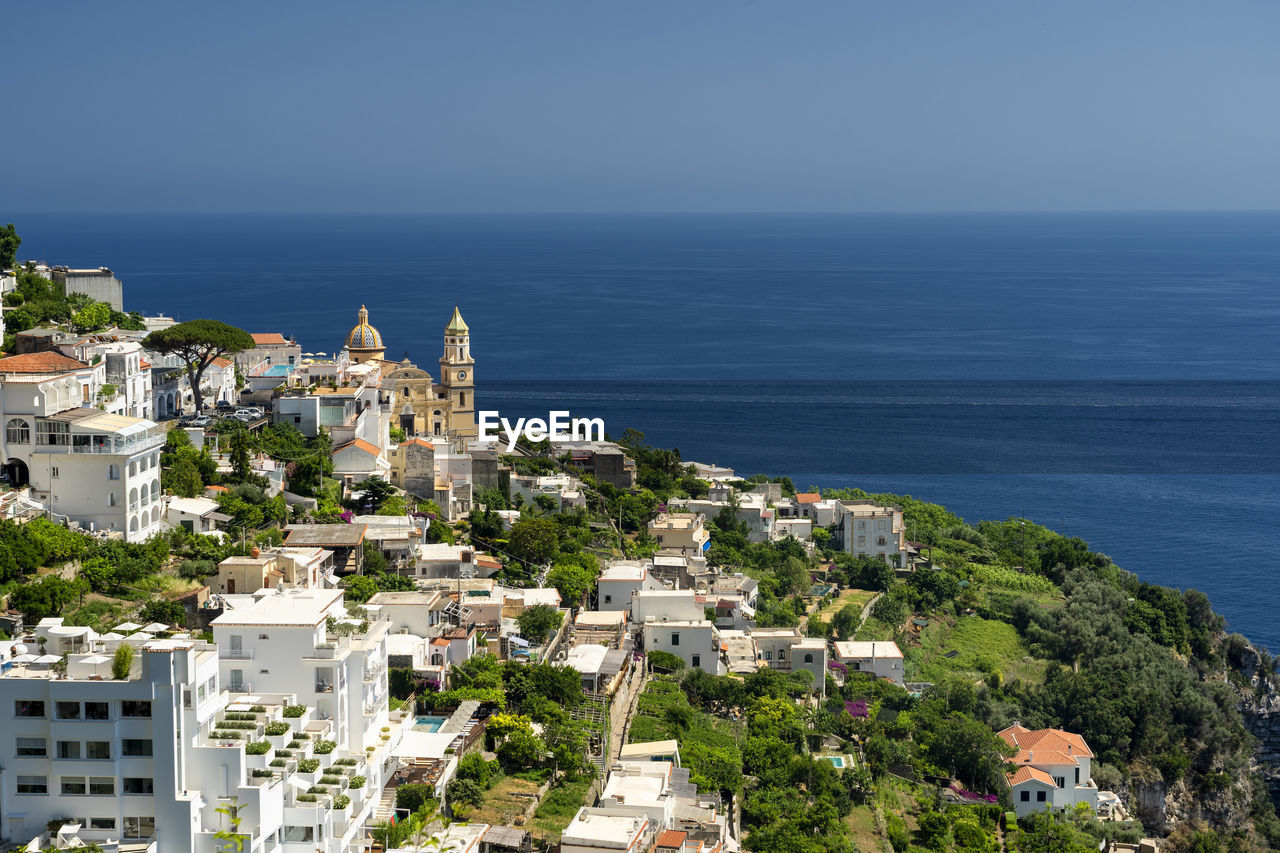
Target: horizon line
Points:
(553, 213)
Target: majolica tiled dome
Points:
(364, 336)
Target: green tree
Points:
(95, 315)
(241, 469)
(182, 478)
(9, 243)
(534, 541)
(163, 610)
(538, 621)
(198, 343)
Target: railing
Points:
(235, 654)
(108, 448)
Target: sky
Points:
(663, 105)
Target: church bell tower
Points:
(456, 376)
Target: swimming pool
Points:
(837, 760)
(428, 724)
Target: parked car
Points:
(201, 421)
(245, 415)
(225, 406)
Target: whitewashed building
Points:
(1053, 770)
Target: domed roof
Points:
(456, 325)
(364, 336)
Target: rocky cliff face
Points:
(1260, 708)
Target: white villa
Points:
(881, 658)
(1053, 770)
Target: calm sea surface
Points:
(1114, 376)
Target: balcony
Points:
(103, 445)
(235, 654)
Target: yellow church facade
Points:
(419, 405)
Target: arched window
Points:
(113, 471)
(437, 660)
(155, 514)
(133, 524)
(406, 392)
(155, 490)
(133, 468)
(113, 499)
(18, 431)
(133, 499)
(462, 399)
(808, 658)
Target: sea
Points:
(1113, 376)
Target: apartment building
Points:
(870, 529)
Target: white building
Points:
(874, 530)
(97, 469)
(619, 581)
(785, 650)
(881, 658)
(682, 531)
(673, 621)
(602, 830)
(1053, 770)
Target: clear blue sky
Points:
(640, 106)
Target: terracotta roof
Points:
(222, 362)
(419, 441)
(40, 362)
(359, 444)
(672, 838)
(1045, 746)
(488, 562)
(216, 489)
(1029, 774)
(808, 497)
(267, 339)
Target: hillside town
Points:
(287, 598)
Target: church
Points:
(419, 405)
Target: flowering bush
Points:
(837, 666)
(346, 515)
(857, 709)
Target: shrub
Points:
(278, 762)
(293, 712)
(259, 773)
(330, 779)
(324, 747)
(277, 727)
(465, 791)
(413, 796)
(122, 662)
(357, 782)
(664, 661)
(345, 762)
(308, 765)
(306, 798)
(240, 715)
(259, 747)
(258, 709)
(341, 801)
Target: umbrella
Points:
(24, 658)
(156, 628)
(48, 658)
(127, 627)
(111, 636)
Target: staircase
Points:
(386, 806)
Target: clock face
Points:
(462, 374)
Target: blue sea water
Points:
(1114, 376)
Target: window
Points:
(113, 499)
(113, 471)
(97, 750)
(782, 654)
(133, 468)
(1061, 781)
(697, 661)
(33, 784)
(138, 785)
(768, 655)
(1026, 796)
(102, 823)
(862, 525)
(139, 827)
(102, 786)
(17, 431)
(675, 639)
(97, 711)
(135, 708)
(1040, 796)
(133, 747)
(67, 710)
(73, 785)
(880, 541)
(69, 749)
(28, 708)
(1077, 775)
(31, 746)
(808, 657)
(299, 833)
(54, 472)
(608, 599)
(297, 419)
(862, 541)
